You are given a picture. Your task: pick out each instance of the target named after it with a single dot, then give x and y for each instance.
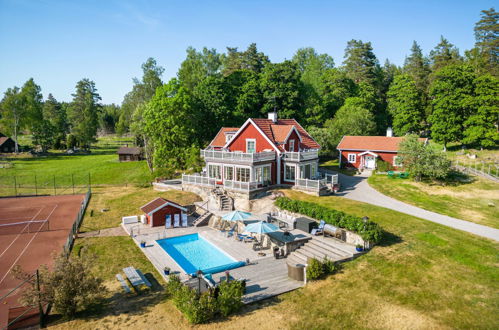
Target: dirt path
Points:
(357, 188)
(115, 231)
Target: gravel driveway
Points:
(357, 188)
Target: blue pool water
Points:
(192, 252)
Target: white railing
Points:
(302, 155)
(199, 180)
(243, 186)
(246, 157)
(314, 185)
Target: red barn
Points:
(362, 152)
(162, 212)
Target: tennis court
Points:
(31, 230)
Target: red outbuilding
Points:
(162, 212)
(362, 152)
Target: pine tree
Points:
(443, 54)
(361, 65)
(84, 112)
(487, 39)
(417, 66)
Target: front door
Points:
(370, 162)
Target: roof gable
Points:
(158, 204)
(129, 151)
(264, 133)
(219, 140)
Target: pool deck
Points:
(265, 276)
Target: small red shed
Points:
(162, 212)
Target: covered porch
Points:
(368, 160)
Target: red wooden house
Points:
(362, 152)
(162, 212)
(260, 153)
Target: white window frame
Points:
(225, 173)
(292, 145)
(352, 158)
(228, 137)
(218, 174)
(395, 159)
(254, 143)
(286, 172)
(261, 169)
(236, 168)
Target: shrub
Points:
(369, 231)
(383, 166)
(317, 269)
(229, 298)
(201, 308)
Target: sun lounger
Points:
(123, 283)
(320, 229)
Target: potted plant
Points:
(359, 248)
(143, 244)
(166, 270)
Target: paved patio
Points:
(265, 276)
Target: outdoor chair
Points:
(391, 174)
(403, 175)
(320, 229)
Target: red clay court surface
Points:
(31, 250)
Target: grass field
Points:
(422, 275)
(124, 201)
(333, 165)
(476, 201)
(99, 167)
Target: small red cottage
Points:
(362, 152)
(162, 212)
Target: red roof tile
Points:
(373, 143)
(280, 132)
(151, 206)
(267, 127)
(219, 140)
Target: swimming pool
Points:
(192, 253)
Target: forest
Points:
(445, 94)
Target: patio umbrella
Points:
(237, 215)
(261, 227)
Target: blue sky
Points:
(59, 42)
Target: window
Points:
(291, 145)
(228, 137)
(262, 174)
(242, 174)
(314, 171)
(229, 173)
(397, 161)
(250, 145)
(289, 172)
(214, 172)
(352, 158)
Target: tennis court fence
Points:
(76, 225)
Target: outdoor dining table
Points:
(133, 276)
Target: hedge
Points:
(201, 308)
(369, 231)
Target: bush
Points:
(229, 298)
(369, 231)
(201, 308)
(383, 166)
(318, 269)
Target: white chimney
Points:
(389, 132)
(273, 116)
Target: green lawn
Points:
(333, 165)
(124, 201)
(422, 275)
(101, 166)
(476, 201)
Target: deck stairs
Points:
(203, 219)
(319, 249)
(225, 202)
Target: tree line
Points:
(446, 95)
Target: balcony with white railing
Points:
(237, 157)
(299, 156)
(204, 181)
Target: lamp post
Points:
(365, 219)
(198, 275)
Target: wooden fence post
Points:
(55, 190)
(36, 187)
(15, 185)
